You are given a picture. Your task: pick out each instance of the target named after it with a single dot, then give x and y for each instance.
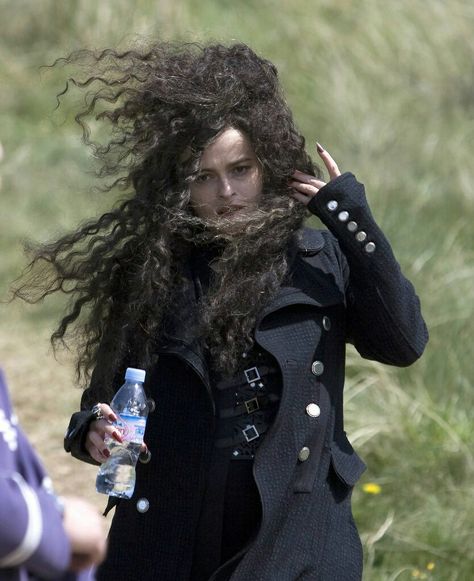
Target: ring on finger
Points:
(97, 412)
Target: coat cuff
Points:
(75, 437)
(342, 206)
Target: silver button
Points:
(343, 216)
(352, 226)
(303, 454)
(326, 323)
(313, 410)
(369, 247)
(144, 457)
(361, 236)
(332, 205)
(317, 367)
(151, 405)
(143, 505)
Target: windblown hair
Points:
(163, 105)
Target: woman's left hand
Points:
(306, 186)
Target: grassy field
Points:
(388, 89)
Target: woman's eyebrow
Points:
(245, 159)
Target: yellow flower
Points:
(416, 573)
(430, 566)
(372, 488)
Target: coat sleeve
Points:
(31, 532)
(74, 440)
(75, 437)
(384, 319)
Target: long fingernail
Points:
(117, 436)
(106, 452)
(319, 147)
(112, 417)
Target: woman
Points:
(206, 277)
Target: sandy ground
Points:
(44, 396)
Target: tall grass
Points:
(388, 89)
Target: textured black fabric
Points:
(242, 509)
(307, 531)
(230, 514)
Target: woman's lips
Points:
(227, 210)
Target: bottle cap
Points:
(133, 374)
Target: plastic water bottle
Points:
(116, 475)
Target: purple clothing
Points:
(33, 543)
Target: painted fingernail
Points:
(117, 436)
(319, 147)
(106, 452)
(112, 417)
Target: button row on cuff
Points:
(352, 226)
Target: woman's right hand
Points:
(98, 429)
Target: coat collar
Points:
(309, 284)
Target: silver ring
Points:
(97, 412)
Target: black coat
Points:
(344, 287)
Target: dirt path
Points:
(44, 397)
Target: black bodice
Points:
(246, 405)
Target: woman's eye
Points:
(241, 169)
(201, 178)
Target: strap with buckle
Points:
(252, 405)
(248, 434)
(252, 374)
(251, 433)
(249, 406)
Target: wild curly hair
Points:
(163, 104)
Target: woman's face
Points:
(229, 178)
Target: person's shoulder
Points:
(311, 241)
(319, 259)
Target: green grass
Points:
(387, 88)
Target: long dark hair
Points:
(163, 105)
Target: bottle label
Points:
(132, 428)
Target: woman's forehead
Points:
(231, 143)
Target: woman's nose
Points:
(226, 188)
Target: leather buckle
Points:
(252, 374)
(252, 405)
(250, 433)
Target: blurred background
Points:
(388, 89)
